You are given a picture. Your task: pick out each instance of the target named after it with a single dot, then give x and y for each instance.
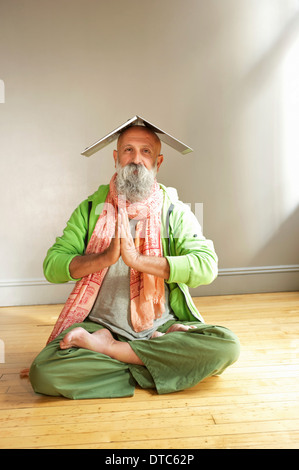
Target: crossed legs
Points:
(168, 363)
(103, 342)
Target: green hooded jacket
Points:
(191, 257)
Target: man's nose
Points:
(137, 157)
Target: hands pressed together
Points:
(122, 244)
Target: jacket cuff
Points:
(179, 269)
(57, 269)
(70, 278)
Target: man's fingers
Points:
(117, 227)
(124, 224)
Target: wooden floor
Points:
(254, 404)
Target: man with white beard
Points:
(130, 319)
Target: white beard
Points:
(137, 186)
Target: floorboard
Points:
(253, 405)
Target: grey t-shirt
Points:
(112, 306)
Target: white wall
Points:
(221, 75)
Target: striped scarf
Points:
(146, 291)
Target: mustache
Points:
(136, 172)
(136, 166)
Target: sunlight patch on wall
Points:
(290, 127)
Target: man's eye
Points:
(128, 149)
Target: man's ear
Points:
(115, 154)
(160, 159)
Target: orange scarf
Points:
(146, 291)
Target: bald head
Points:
(140, 132)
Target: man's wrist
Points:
(155, 265)
(105, 259)
(138, 262)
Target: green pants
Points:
(173, 362)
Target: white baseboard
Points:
(288, 268)
(251, 280)
(229, 281)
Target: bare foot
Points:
(179, 327)
(156, 334)
(99, 341)
(172, 328)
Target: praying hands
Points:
(155, 265)
(122, 244)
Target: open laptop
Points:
(137, 121)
